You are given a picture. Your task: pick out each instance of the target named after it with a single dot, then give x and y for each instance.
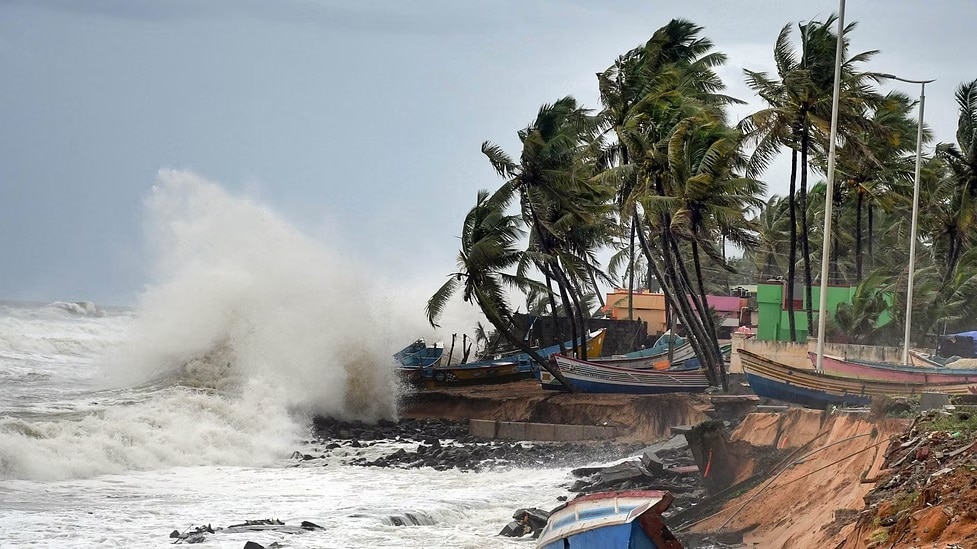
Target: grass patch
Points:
(963, 422)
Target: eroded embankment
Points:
(638, 417)
(815, 490)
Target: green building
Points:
(772, 316)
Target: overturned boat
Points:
(610, 520)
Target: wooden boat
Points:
(895, 373)
(413, 358)
(655, 356)
(595, 377)
(502, 370)
(809, 388)
(610, 520)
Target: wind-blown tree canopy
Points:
(656, 97)
(489, 241)
(798, 117)
(566, 211)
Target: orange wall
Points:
(649, 307)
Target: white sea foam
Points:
(247, 328)
(235, 283)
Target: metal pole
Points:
(912, 233)
(829, 196)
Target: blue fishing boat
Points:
(610, 520)
(499, 370)
(596, 377)
(412, 359)
(810, 388)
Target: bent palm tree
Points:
(488, 248)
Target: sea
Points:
(121, 425)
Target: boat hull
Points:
(610, 520)
(778, 381)
(478, 373)
(592, 377)
(893, 372)
(503, 370)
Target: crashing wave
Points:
(80, 308)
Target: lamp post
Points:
(829, 195)
(912, 232)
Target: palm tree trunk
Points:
(578, 306)
(697, 261)
(710, 343)
(631, 277)
(871, 234)
(502, 327)
(556, 319)
(792, 254)
(858, 235)
(567, 306)
(593, 282)
(805, 248)
(665, 275)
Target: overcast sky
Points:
(358, 122)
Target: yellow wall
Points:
(649, 307)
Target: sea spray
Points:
(246, 328)
(230, 274)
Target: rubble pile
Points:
(927, 492)
(666, 465)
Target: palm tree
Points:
(773, 241)
(646, 94)
(798, 117)
(871, 161)
(566, 212)
(961, 160)
(488, 248)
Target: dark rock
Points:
(306, 525)
(253, 545)
(296, 455)
(175, 534)
(515, 529)
(627, 470)
(561, 498)
(535, 518)
(307, 457)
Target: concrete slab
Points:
(483, 428)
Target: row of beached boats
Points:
(852, 382)
(668, 366)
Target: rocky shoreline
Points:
(445, 444)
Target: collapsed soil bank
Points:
(643, 418)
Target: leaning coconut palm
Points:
(566, 212)
(710, 199)
(646, 94)
(488, 247)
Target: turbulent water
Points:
(119, 426)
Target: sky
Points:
(359, 123)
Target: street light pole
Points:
(911, 275)
(829, 195)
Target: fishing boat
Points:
(809, 388)
(595, 377)
(413, 358)
(501, 370)
(894, 373)
(610, 520)
(654, 357)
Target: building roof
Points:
(724, 303)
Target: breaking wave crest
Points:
(247, 328)
(241, 295)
